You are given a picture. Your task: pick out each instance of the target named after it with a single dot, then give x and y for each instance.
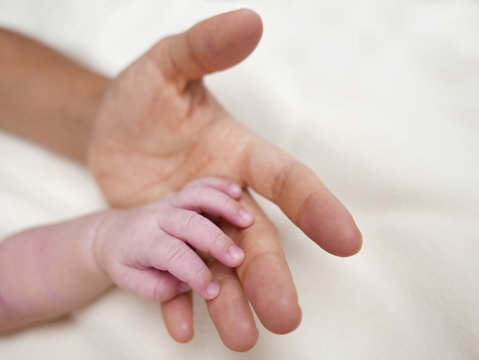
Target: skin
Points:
(47, 271)
(154, 128)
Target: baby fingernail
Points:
(235, 189)
(213, 288)
(236, 252)
(245, 215)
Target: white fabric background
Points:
(380, 98)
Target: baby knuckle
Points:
(195, 192)
(157, 292)
(225, 202)
(161, 291)
(170, 198)
(198, 271)
(177, 253)
(219, 240)
(190, 220)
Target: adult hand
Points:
(158, 128)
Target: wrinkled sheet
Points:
(379, 98)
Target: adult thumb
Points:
(214, 44)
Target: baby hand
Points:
(147, 250)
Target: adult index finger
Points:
(303, 198)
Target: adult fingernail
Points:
(236, 252)
(213, 289)
(245, 215)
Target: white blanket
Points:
(380, 98)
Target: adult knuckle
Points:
(281, 180)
